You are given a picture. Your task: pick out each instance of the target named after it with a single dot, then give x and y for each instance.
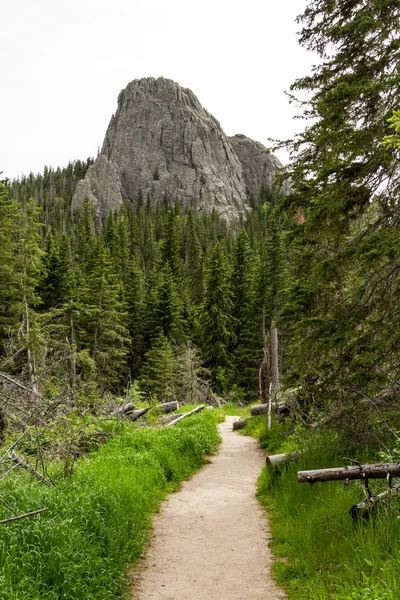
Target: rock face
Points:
(259, 167)
(161, 141)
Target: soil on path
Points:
(211, 538)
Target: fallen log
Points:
(167, 407)
(191, 412)
(136, 414)
(124, 410)
(275, 459)
(240, 424)
(363, 509)
(365, 472)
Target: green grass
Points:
(104, 514)
(321, 554)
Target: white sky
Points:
(63, 63)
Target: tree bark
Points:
(376, 471)
(72, 352)
(169, 418)
(136, 414)
(274, 361)
(167, 407)
(191, 412)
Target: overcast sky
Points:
(63, 63)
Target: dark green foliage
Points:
(108, 292)
(216, 320)
(322, 553)
(341, 314)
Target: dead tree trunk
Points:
(274, 360)
(263, 377)
(364, 472)
(191, 412)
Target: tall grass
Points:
(321, 553)
(104, 514)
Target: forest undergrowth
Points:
(321, 554)
(98, 520)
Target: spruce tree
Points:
(341, 314)
(104, 321)
(158, 372)
(242, 285)
(216, 320)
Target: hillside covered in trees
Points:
(167, 298)
(157, 291)
(173, 302)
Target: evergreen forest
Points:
(299, 299)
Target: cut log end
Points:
(240, 424)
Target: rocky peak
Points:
(162, 141)
(259, 165)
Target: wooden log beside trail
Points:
(128, 409)
(240, 424)
(365, 472)
(275, 459)
(259, 409)
(187, 414)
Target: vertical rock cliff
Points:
(161, 141)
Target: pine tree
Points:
(216, 321)
(25, 350)
(104, 321)
(242, 285)
(341, 314)
(158, 372)
(9, 216)
(171, 245)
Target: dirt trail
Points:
(210, 538)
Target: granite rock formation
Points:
(259, 166)
(162, 141)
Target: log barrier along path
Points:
(211, 538)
